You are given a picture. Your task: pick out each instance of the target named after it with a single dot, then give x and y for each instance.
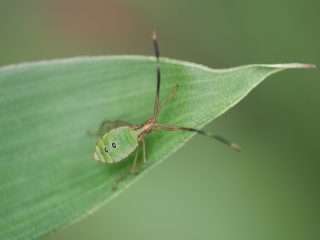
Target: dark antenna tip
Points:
(157, 54)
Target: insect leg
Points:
(171, 95)
(144, 157)
(108, 123)
(164, 127)
(111, 124)
(134, 163)
(129, 172)
(135, 166)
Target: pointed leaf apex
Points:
(292, 65)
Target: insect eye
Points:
(114, 145)
(106, 150)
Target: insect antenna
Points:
(157, 54)
(164, 127)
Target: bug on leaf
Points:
(124, 138)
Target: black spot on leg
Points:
(114, 145)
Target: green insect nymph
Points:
(116, 145)
(124, 138)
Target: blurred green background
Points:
(204, 191)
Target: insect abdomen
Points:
(116, 145)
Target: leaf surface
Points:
(48, 178)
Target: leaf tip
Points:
(294, 65)
(304, 65)
(310, 65)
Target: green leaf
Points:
(48, 178)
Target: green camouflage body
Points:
(119, 143)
